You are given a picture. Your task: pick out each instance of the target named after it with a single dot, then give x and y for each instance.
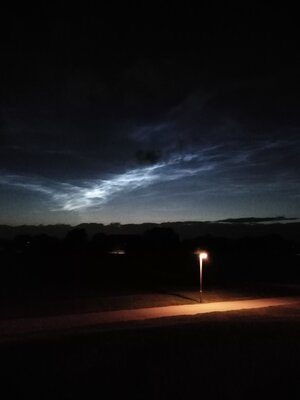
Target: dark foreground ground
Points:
(234, 355)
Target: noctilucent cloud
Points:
(183, 123)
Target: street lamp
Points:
(202, 256)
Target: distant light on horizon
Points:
(117, 252)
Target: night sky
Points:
(154, 114)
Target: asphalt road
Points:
(14, 328)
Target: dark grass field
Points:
(234, 355)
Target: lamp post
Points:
(202, 256)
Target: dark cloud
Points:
(254, 220)
(148, 156)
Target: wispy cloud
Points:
(25, 182)
(215, 169)
(96, 193)
(92, 193)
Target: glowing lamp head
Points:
(203, 255)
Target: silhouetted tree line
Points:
(150, 260)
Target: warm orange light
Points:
(203, 255)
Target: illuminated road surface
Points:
(11, 329)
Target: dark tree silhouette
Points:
(161, 238)
(76, 240)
